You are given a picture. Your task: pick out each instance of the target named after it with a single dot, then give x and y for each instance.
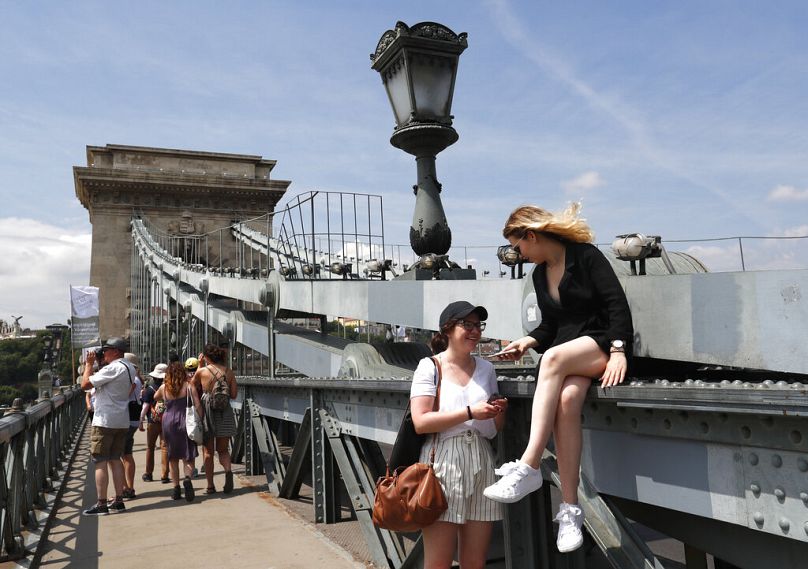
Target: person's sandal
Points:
(147, 477)
(177, 494)
(210, 490)
(189, 489)
(228, 481)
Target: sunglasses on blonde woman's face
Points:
(515, 246)
(469, 325)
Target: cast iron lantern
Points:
(418, 66)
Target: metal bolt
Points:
(780, 494)
(784, 524)
(753, 459)
(804, 497)
(755, 489)
(802, 464)
(758, 517)
(777, 461)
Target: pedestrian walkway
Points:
(246, 529)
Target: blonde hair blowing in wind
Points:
(567, 225)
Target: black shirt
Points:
(592, 302)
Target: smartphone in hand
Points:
(500, 354)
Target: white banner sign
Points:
(84, 316)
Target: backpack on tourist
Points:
(220, 394)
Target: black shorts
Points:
(130, 441)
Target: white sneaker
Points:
(506, 468)
(570, 517)
(518, 481)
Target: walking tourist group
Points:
(121, 404)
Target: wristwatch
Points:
(618, 346)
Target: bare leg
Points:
(475, 537)
(188, 467)
(174, 467)
(101, 481)
(116, 466)
(163, 455)
(128, 461)
(581, 356)
(440, 543)
(568, 435)
(207, 454)
(223, 449)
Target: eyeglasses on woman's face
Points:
(469, 325)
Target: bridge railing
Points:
(33, 444)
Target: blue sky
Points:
(685, 119)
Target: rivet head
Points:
(777, 461)
(755, 488)
(758, 517)
(753, 459)
(780, 494)
(802, 464)
(805, 527)
(784, 524)
(804, 497)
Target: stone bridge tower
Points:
(180, 192)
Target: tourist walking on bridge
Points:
(152, 414)
(134, 408)
(174, 392)
(469, 413)
(585, 333)
(113, 384)
(217, 383)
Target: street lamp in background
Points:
(418, 66)
(53, 350)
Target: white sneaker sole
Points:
(571, 547)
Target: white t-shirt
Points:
(453, 396)
(112, 387)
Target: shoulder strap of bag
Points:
(129, 373)
(436, 405)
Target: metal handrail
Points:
(33, 444)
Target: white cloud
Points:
(586, 181)
(39, 262)
(788, 194)
(798, 231)
(717, 258)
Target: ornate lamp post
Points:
(418, 66)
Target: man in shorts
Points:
(113, 384)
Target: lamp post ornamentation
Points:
(418, 67)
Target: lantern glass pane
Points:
(432, 85)
(399, 91)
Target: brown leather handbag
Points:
(411, 498)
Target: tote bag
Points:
(193, 422)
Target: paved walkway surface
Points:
(246, 529)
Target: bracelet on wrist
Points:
(468, 410)
(617, 350)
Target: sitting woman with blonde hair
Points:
(585, 333)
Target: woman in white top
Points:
(467, 417)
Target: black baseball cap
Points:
(460, 309)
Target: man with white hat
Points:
(113, 384)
